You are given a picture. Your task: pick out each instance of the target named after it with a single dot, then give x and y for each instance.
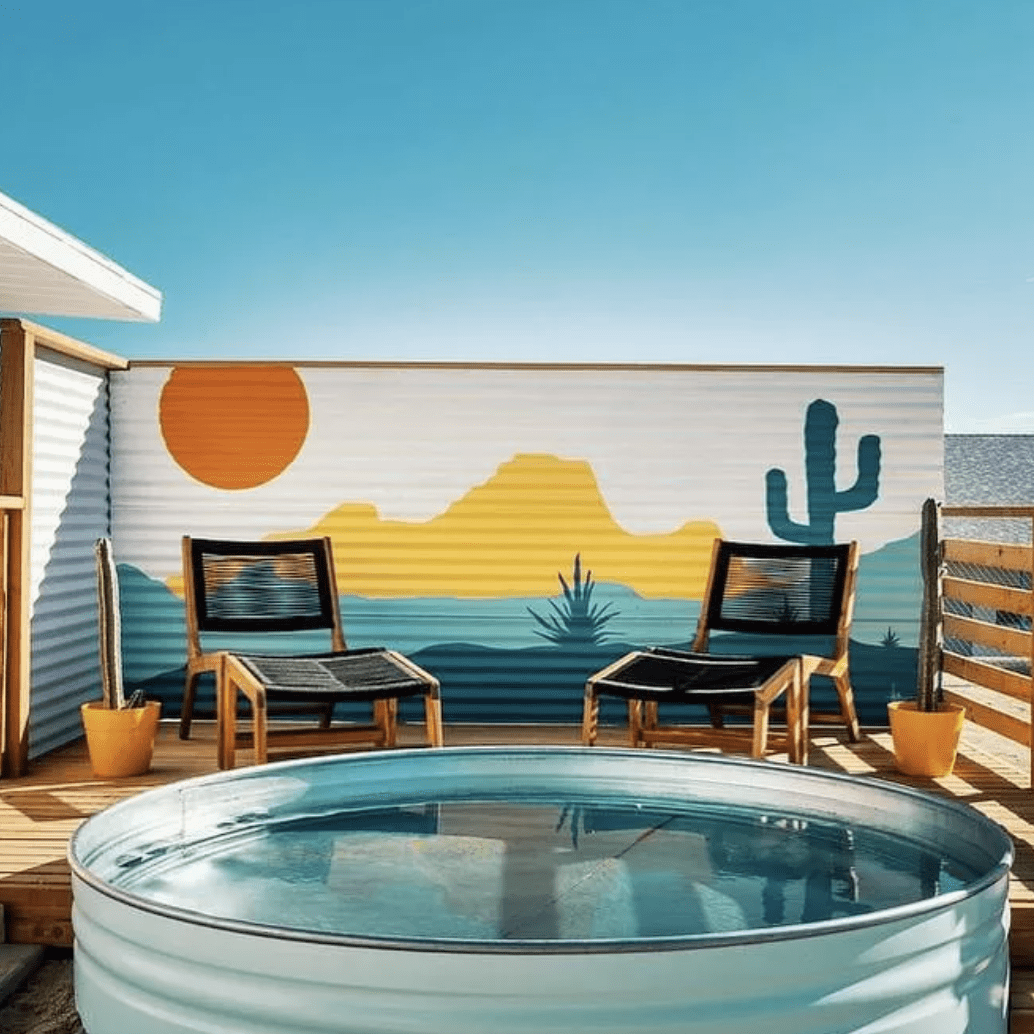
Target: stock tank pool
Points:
(539, 890)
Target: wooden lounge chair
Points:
(283, 587)
(802, 596)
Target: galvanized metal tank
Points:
(782, 943)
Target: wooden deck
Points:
(40, 811)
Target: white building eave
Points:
(45, 271)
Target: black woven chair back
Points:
(777, 589)
(262, 586)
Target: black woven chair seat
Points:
(355, 675)
(662, 674)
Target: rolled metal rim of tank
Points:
(552, 774)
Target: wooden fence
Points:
(987, 605)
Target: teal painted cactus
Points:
(820, 462)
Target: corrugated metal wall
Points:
(457, 495)
(70, 509)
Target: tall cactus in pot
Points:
(927, 687)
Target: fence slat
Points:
(983, 594)
(1005, 555)
(1001, 680)
(1009, 641)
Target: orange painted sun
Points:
(234, 426)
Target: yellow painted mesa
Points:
(510, 536)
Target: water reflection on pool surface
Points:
(491, 870)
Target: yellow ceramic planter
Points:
(925, 742)
(120, 742)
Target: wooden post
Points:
(17, 349)
(5, 555)
(1030, 656)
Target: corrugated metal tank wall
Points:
(457, 495)
(70, 509)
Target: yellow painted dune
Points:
(509, 537)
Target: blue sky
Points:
(838, 181)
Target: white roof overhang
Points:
(45, 271)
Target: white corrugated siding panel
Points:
(665, 446)
(70, 509)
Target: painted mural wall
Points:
(514, 528)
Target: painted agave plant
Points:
(576, 621)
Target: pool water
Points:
(486, 870)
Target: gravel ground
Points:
(46, 1002)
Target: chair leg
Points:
(187, 710)
(260, 727)
(797, 719)
(652, 719)
(382, 719)
(433, 718)
(590, 716)
(804, 717)
(225, 718)
(759, 742)
(716, 716)
(847, 708)
(635, 723)
(231, 680)
(326, 716)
